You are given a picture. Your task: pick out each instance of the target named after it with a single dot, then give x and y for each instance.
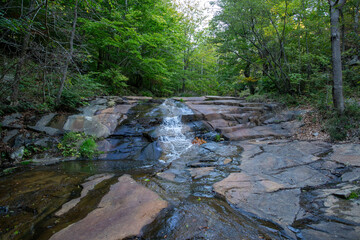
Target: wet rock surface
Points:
(122, 213)
(257, 183)
(87, 186)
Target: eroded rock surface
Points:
(237, 119)
(100, 118)
(300, 186)
(122, 213)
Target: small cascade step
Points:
(234, 128)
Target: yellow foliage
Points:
(198, 141)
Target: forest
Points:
(55, 54)
(179, 119)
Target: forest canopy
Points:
(56, 53)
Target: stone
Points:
(285, 116)
(111, 121)
(122, 213)
(87, 186)
(222, 150)
(257, 195)
(10, 135)
(345, 191)
(98, 101)
(104, 146)
(227, 161)
(86, 124)
(44, 142)
(11, 121)
(271, 130)
(137, 98)
(274, 107)
(167, 175)
(348, 154)
(197, 173)
(18, 154)
(151, 152)
(41, 125)
(189, 99)
(351, 176)
(330, 230)
(94, 106)
(220, 98)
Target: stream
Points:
(155, 147)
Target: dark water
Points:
(153, 140)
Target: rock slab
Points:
(122, 213)
(87, 186)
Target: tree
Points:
(338, 98)
(69, 55)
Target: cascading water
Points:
(171, 132)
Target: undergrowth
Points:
(78, 145)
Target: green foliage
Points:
(257, 98)
(217, 138)
(113, 79)
(76, 144)
(354, 195)
(30, 150)
(79, 88)
(9, 170)
(26, 162)
(339, 126)
(88, 149)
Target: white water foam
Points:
(171, 132)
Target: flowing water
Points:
(168, 162)
(172, 137)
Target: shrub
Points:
(339, 126)
(88, 149)
(78, 145)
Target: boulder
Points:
(41, 125)
(18, 154)
(86, 124)
(122, 213)
(10, 135)
(11, 121)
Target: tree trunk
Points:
(338, 98)
(69, 57)
(342, 31)
(186, 62)
(247, 72)
(356, 18)
(20, 64)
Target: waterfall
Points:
(171, 132)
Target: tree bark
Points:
(20, 64)
(338, 98)
(356, 18)
(69, 57)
